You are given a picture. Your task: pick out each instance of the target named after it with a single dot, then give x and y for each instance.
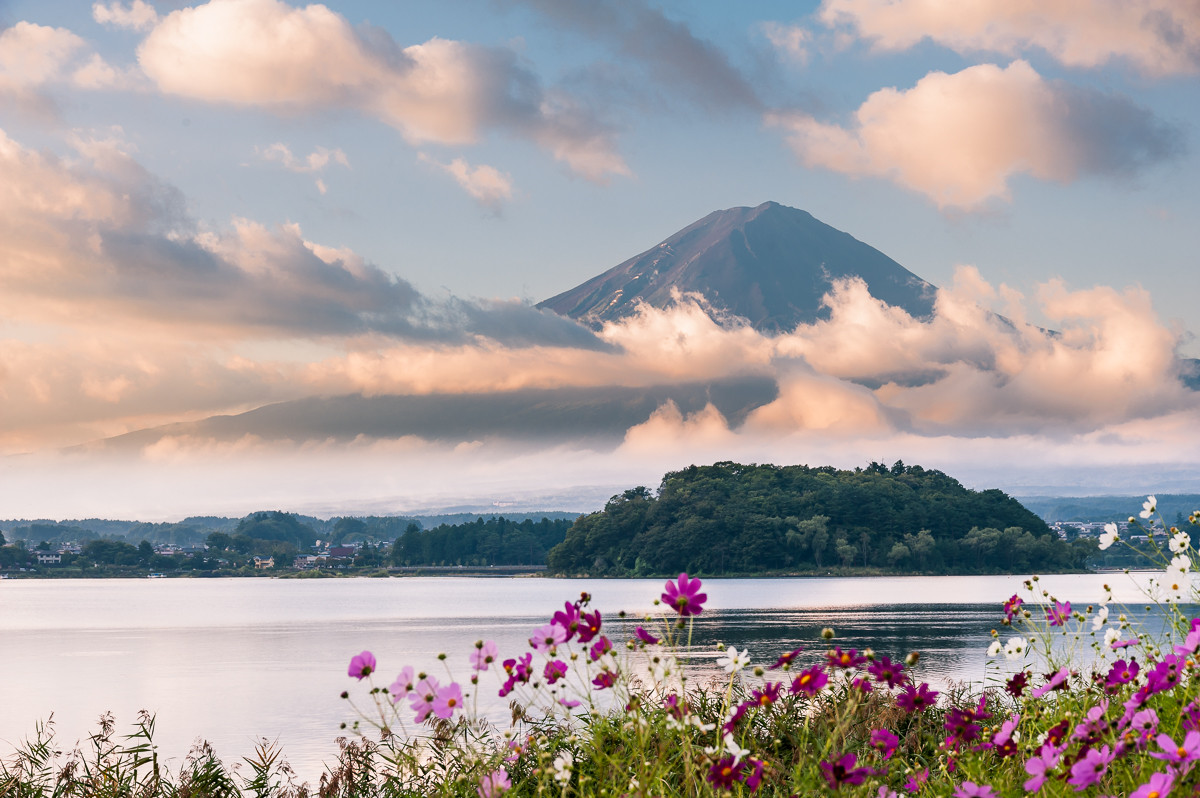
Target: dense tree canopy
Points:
(732, 518)
(495, 541)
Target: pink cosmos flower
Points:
(684, 596)
(1179, 755)
(1011, 606)
(494, 784)
(447, 700)
(484, 655)
(786, 658)
(843, 771)
(1120, 673)
(1090, 768)
(645, 636)
(362, 665)
(548, 636)
(969, 789)
(1056, 681)
(1159, 786)
(554, 671)
(916, 781)
(1058, 615)
(1038, 766)
(423, 697)
(601, 647)
(402, 686)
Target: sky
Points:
(207, 208)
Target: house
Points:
(264, 562)
(305, 562)
(342, 552)
(46, 558)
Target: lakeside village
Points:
(222, 555)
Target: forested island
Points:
(721, 519)
(736, 519)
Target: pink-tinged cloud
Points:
(35, 57)
(960, 138)
(1157, 37)
(266, 53)
(485, 184)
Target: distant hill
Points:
(1174, 507)
(771, 265)
(729, 518)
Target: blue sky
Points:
(213, 206)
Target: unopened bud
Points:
(827, 633)
(913, 658)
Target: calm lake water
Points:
(235, 660)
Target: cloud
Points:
(487, 185)
(315, 162)
(34, 57)
(792, 41)
(667, 50)
(265, 53)
(138, 15)
(959, 138)
(1158, 37)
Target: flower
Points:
(754, 778)
(422, 698)
(1159, 786)
(786, 658)
(362, 665)
(1191, 716)
(887, 672)
(1016, 685)
(402, 686)
(519, 671)
(484, 655)
(684, 596)
(1058, 615)
(554, 670)
(562, 767)
(1015, 648)
(1100, 619)
(885, 742)
(917, 780)
(1090, 768)
(1056, 682)
(768, 695)
(645, 636)
(843, 771)
(1038, 766)
(844, 659)
(1011, 606)
(994, 648)
(601, 647)
(916, 699)
(1183, 754)
(1179, 542)
(548, 636)
(969, 789)
(734, 660)
(589, 626)
(494, 784)
(567, 618)
(449, 698)
(1149, 506)
(723, 773)
(810, 681)
(1109, 536)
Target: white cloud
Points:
(265, 53)
(31, 55)
(959, 138)
(487, 185)
(316, 161)
(791, 40)
(138, 15)
(1158, 37)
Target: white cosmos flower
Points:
(1111, 635)
(562, 767)
(1149, 506)
(1100, 619)
(1179, 542)
(734, 660)
(994, 648)
(1015, 648)
(734, 750)
(1182, 563)
(1109, 536)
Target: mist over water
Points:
(235, 660)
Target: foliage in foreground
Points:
(1122, 719)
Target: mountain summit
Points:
(770, 265)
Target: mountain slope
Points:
(771, 265)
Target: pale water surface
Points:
(235, 660)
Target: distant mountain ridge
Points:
(771, 265)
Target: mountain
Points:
(604, 413)
(771, 265)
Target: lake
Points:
(235, 660)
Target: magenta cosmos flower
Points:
(1091, 768)
(684, 596)
(484, 655)
(916, 699)
(1159, 786)
(810, 681)
(843, 771)
(1179, 755)
(969, 789)
(362, 665)
(1058, 615)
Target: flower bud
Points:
(827, 633)
(913, 658)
